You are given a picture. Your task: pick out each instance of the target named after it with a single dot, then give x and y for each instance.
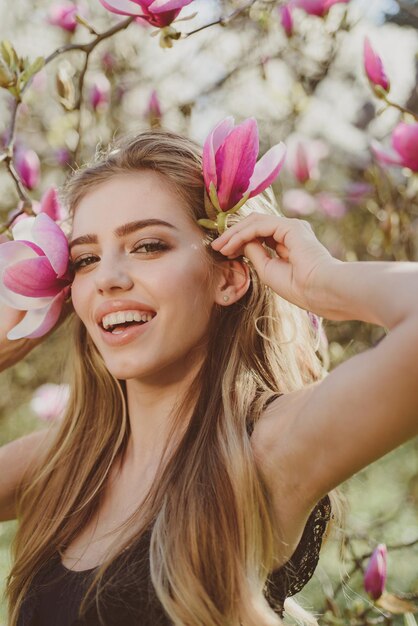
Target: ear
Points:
(233, 282)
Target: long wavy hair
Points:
(209, 566)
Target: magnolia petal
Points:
(158, 6)
(373, 66)
(330, 205)
(37, 323)
(404, 141)
(210, 148)
(385, 155)
(298, 201)
(23, 229)
(267, 169)
(33, 278)
(12, 252)
(235, 162)
(21, 303)
(50, 237)
(50, 204)
(15, 251)
(122, 7)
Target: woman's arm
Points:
(311, 440)
(19, 457)
(323, 434)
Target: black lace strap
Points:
(291, 577)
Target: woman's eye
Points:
(82, 262)
(150, 246)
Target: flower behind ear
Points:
(231, 172)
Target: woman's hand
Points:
(295, 273)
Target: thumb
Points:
(272, 271)
(257, 254)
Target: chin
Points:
(123, 372)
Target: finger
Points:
(274, 272)
(282, 251)
(260, 229)
(257, 254)
(239, 226)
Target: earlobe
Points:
(234, 282)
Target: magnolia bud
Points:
(375, 574)
(28, 167)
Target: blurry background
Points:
(309, 90)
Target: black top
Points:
(56, 593)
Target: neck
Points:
(151, 406)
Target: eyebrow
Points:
(121, 231)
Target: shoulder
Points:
(18, 461)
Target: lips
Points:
(126, 336)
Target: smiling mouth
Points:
(117, 323)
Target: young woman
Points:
(192, 478)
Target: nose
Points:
(112, 276)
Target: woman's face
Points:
(159, 267)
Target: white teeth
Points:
(120, 317)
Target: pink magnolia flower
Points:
(374, 67)
(376, 570)
(35, 275)
(357, 191)
(49, 204)
(330, 205)
(153, 112)
(301, 202)
(28, 167)
(63, 15)
(108, 61)
(405, 147)
(316, 7)
(304, 157)
(231, 172)
(298, 201)
(99, 94)
(286, 19)
(62, 156)
(49, 401)
(158, 13)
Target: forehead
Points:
(128, 197)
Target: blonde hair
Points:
(209, 566)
